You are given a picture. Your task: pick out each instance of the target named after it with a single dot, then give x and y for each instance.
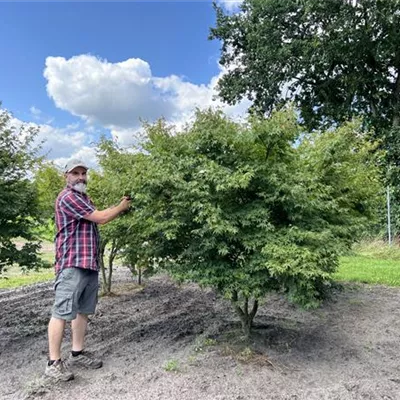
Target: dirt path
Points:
(171, 343)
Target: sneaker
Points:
(84, 359)
(59, 371)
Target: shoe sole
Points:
(60, 379)
(71, 365)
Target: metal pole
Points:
(388, 215)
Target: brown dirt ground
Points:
(173, 342)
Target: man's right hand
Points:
(125, 203)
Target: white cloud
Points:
(127, 137)
(119, 95)
(59, 144)
(85, 153)
(230, 5)
(35, 112)
(105, 93)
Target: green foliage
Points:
(335, 60)
(46, 230)
(19, 210)
(338, 59)
(251, 208)
(49, 182)
(123, 236)
(101, 187)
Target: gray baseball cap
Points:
(74, 163)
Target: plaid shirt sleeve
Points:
(76, 206)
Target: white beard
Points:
(80, 187)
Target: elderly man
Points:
(77, 266)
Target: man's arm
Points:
(107, 215)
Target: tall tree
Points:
(336, 58)
(19, 211)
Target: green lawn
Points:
(374, 263)
(14, 277)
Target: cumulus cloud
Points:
(119, 95)
(111, 94)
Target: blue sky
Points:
(81, 69)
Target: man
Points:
(77, 266)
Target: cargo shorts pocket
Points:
(64, 277)
(63, 304)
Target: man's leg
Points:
(78, 356)
(79, 325)
(56, 333)
(63, 310)
(87, 305)
(56, 368)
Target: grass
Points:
(14, 277)
(172, 366)
(12, 281)
(373, 263)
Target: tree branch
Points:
(236, 305)
(254, 310)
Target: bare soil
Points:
(171, 342)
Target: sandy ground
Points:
(175, 343)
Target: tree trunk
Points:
(113, 254)
(102, 267)
(246, 317)
(139, 275)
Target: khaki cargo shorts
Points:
(76, 291)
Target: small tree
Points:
(139, 259)
(249, 209)
(119, 236)
(111, 235)
(19, 211)
(49, 182)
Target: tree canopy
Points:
(250, 208)
(335, 59)
(19, 209)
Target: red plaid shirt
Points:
(77, 239)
